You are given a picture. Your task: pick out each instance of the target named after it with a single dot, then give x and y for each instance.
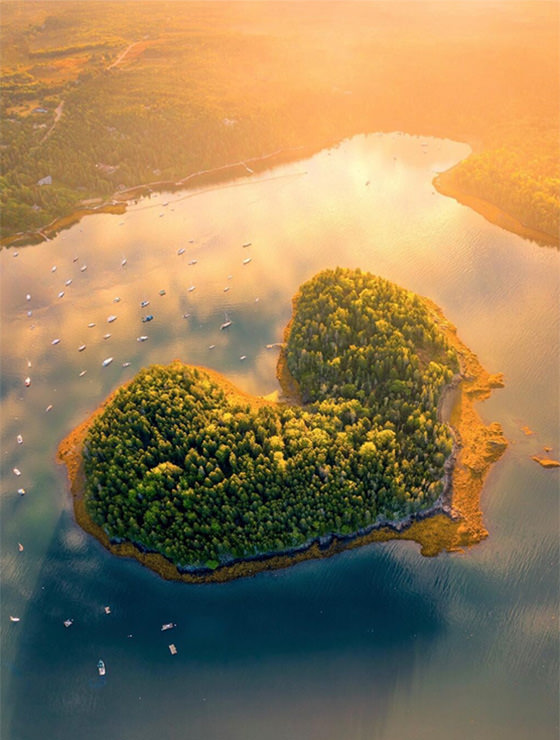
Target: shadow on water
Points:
(311, 651)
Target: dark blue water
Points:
(374, 643)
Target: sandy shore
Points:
(455, 522)
(444, 184)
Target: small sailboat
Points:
(107, 361)
(101, 667)
(226, 323)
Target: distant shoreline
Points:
(454, 522)
(120, 200)
(444, 185)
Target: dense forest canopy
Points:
(179, 466)
(101, 96)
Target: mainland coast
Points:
(452, 524)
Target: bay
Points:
(374, 643)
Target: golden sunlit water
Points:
(377, 642)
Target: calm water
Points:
(375, 643)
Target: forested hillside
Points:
(178, 466)
(97, 97)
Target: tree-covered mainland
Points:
(178, 465)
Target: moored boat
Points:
(101, 667)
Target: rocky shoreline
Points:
(451, 524)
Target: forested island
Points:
(105, 102)
(201, 482)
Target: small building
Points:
(45, 180)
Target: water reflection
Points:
(290, 653)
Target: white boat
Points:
(111, 318)
(123, 261)
(211, 346)
(21, 491)
(82, 373)
(107, 361)
(49, 407)
(107, 610)
(81, 348)
(17, 472)
(193, 262)
(243, 357)
(192, 287)
(181, 250)
(106, 336)
(186, 315)
(246, 260)
(68, 282)
(55, 341)
(116, 299)
(91, 324)
(14, 619)
(27, 381)
(172, 649)
(53, 268)
(28, 296)
(83, 268)
(68, 622)
(226, 323)
(19, 439)
(61, 294)
(226, 289)
(143, 304)
(167, 626)
(126, 364)
(101, 667)
(143, 338)
(20, 546)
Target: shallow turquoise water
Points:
(374, 643)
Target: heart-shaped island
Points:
(376, 438)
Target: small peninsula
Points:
(377, 438)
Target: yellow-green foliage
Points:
(178, 467)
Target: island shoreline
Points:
(452, 523)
